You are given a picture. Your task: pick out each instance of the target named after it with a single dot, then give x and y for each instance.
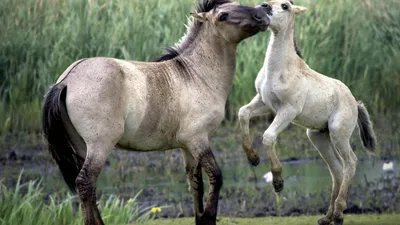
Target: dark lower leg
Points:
(197, 189)
(86, 185)
(208, 163)
(276, 169)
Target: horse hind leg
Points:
(321, 141)
(99, 144)
(340, 134)
(86, 182)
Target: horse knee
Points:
(243, 114)
(269, 138)
(216, 178)
(208, 163)
(195, 181)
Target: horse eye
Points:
(285, 7)
(223, 17)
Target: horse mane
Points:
(193, 29)
(296, 48)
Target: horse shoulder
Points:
(199, 113)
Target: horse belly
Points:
(137, 142)
(314, 115)
(311, 121)
(145, 131)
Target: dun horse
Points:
(176, 102)
(292, 91)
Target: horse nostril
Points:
(257, 17)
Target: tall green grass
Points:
(357, 42)
(26, 204)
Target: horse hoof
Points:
(205, 219)
(255, 160)
(278, 185)
(338, 222)
(206, 222)
(324, 221)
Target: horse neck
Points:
(217, 60)
(280, 51)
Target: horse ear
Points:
(202, 17)
(299, 9)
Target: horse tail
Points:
(365, 126)
(61, 136)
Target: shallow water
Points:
(306, 176)
(162, 180)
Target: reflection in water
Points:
(303, 176)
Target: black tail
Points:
(366, 132)
(55, 119)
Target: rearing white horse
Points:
(295, 93)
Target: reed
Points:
(357, 42)
(27, 204)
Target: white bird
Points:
(387, 166)
(268, 177)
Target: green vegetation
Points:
(358, 43)
(27, 204)
(384, 219)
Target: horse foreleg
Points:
(282, 119)
(321, 141)
(255, 108)
(195, 181)
(86, 183)
(203, 155)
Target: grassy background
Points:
(27, 204)
(357, 42)
(385, 219)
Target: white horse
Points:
(292, 91)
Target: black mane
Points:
(296, 48)
(193, 29)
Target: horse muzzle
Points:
(262, 18)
